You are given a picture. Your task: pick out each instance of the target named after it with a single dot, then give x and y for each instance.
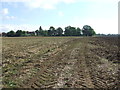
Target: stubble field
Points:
(60, 62)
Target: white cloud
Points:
(3, 18)
(4, 11)
(46, 4)
(3, 29)
(56, 0)
(60, 13)
(69, 1)
(104, 26)
(13, 4)
(4, 15)
(10, 17)
(26, 27)
(100, 25)
(51, 4)
(14, 0)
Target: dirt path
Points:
(64, 69)
(75, 73)
(73, 65)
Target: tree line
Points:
(69, 31)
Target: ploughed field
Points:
(60, 62)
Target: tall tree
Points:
(45, 33)
(59, 31)
(78, 32)
(37, 32)
(24, 33)
(11, 33)
(88, 30)
(40, 28)
(70, 31)
(52, 31)
(40, 31)
(73, 31)
(19, 33)
(67, 31)
(49, 33)
(4, 34)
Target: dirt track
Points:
(74, 66)
(78, 63)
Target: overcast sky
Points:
(101, 15)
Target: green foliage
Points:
(88, 31)
(4, 34)
(45, 33)
(40, 31)
(72, 31)
(53, 31)
(19, 33)
(78, 31)
(49, 33)
(69, 31)
(59, 31)
(37, 32)
(11, 33)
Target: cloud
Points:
(60, 13)
(3, 18)
(15, 0)
(51, 4)
(100, 25)
(46, 4)
(4, 15)
(10, 17)
(13, 4)
(3, 28)
(26, 27)
(4, 11)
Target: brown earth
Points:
(72, 62)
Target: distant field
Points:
(60, 62)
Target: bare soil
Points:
(61, 62)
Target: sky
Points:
(28, 15)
